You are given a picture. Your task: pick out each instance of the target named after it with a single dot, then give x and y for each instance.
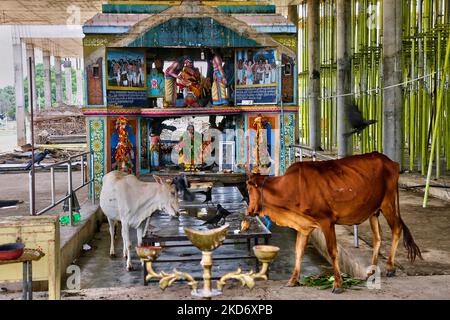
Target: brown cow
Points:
(321, 194)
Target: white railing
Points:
(316, 155)
(70, 189)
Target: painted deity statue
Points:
(219, 86)
(188, 79)
(190, 148)
(170, 84)
(261, 145)
(124, 155)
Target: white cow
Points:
(126, 199)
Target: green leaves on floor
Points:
(326, 280)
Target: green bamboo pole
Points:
(436, 127)
(425, 107)
(380, 95)
(412, 123)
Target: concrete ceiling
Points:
(48, 12)
(65, 13)
(60, 12)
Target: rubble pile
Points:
(24, 155)
(64, 124)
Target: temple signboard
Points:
(127, 98)
(256, 77)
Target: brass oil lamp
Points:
(207, 241)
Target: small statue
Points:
(124, 150)
(189, 80)
(219, 86)
(170, 84)
(261, 152)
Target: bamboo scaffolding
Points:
(436, 127)
(426, 27)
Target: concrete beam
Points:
(31, 73)
(68, 81)
(58, 81)
(19, 89)
(392, 73)
(314, 73)
(60, 40)
(47, 79)
(344, 75)
(80, 88)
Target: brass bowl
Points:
(148, 252)
(266, 253)
(208, 240)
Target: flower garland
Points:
(124, 147)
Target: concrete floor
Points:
(98, 270)
(428, 279)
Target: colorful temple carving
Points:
(172, 67)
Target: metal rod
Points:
(82, 169)
(30, 280)
(52, 184)
(30, 191)
(33, 183)
(24, 280)
(93, 176)
(69, 187)
(355, 234)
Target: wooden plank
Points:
(35, 232)
(28, 255)
(54, 268)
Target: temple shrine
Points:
(203, 87)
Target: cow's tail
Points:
(408, 241)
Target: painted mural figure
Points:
(267, 72)
(219, 86)
(249, 75)
(260, 72)
(155, 141)
(240, 71)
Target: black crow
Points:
(207, 193)
(221, 213)
(182, 184)
(356, 121)
(209, 167)
(9, 203)
(37, 158)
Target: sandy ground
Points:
(398, 288)
(8, 138)
(14, 186)
(429, 227)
